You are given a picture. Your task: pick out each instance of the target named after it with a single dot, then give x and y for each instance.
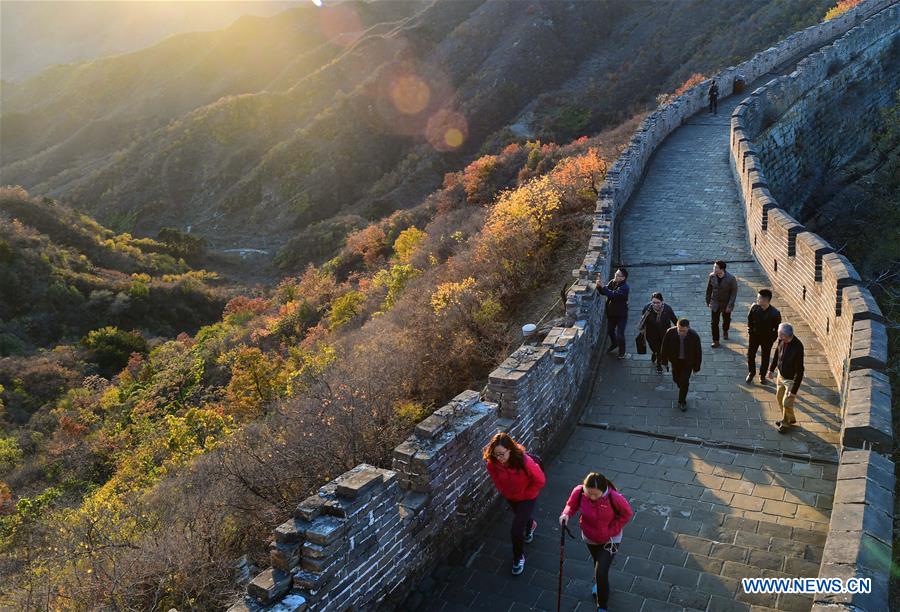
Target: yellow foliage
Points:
(532, 205)
(407, 242)
(257, 379)
(449, 294)
(410, 411)
(840, 8)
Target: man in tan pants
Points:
(788, 359)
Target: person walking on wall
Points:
(788, 360)
(604, 513)
(762, 325)
(519, 479)
(721, 292)
(681, 348)
(656, 318)
(616, 292)
(714, 98)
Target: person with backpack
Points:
(519, 479)
(656, 318)
(604, 513)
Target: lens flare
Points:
(447, 130)
(453, 137)
(410, 94)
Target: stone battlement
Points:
(767, 150)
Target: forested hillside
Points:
(314, 122)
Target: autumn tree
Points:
(580, 176)
(407, 243)
(257, 379)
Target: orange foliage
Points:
(694, 79)
(369, 243)
(6, 499)
(475, 179)
(71, 427)
(840, 8)
(247, 306)
(580, 176)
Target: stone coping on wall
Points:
(399, 520)
(825, 288)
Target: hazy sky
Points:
(35, 34)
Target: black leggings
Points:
(603, 555)
(522, 511)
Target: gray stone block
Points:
(291, 531)
(325, 530)
(269, 586)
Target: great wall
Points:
(719, 495)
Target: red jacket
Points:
(514, 484)
(601, 519)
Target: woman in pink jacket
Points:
(519, 479)
(604, 513)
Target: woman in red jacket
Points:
(604, 513)
(519, 479)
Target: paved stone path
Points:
(719, 494)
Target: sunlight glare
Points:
(410, 94)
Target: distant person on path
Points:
(681, 348)
(519, 479)
(656, 318)
(762, 324)
(604, 513)
(721, 292)
(714, 98)
(616, 292)
(788, 360)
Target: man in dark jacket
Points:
(721, 292)
(681, 348)
(616, 293)
(714, 98)
(762, 324)
(788, 359)
(656, 318)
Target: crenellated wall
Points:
(368, 534)
(767, 131)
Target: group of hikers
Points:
(519, 477)
(673, 342)
(604, 511)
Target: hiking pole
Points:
(563, 530)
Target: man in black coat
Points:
(616, 293)
(681, 348)
(721, 292)
(788, 360)
(762, 324)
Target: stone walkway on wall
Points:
(719, 494)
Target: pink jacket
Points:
(517, 485)
(601, 519)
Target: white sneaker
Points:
(518, 566)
